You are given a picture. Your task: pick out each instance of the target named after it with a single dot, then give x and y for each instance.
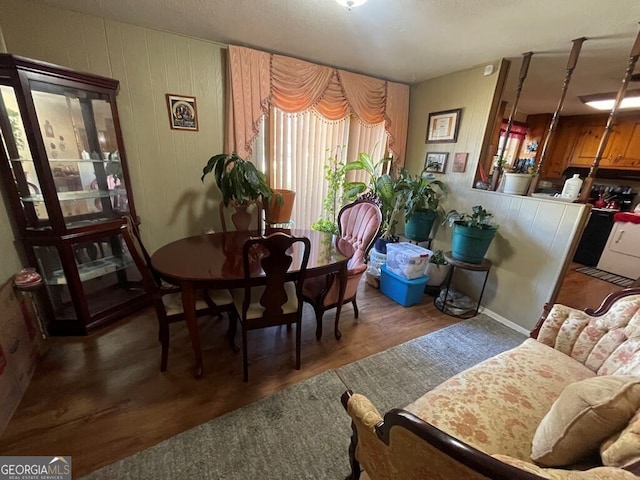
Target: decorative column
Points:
(524, 69)
(571, 65)
(588, 182)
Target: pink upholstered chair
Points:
(359, 224)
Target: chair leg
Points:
(163, 336)
(245, 357)
(319, 313)
(233, 328)
(298, 340)
(355, 307)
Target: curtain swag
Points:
(260, 79)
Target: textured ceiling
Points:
(413, 40)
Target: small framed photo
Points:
(435, 162)
(183, 114)
(442, 127)
(459, 162)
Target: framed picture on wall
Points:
(459, 162)
(183, 114)
(436, 162)
(442, 127)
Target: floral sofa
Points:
(561, 405)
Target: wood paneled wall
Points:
(165, 165)
(535, 237)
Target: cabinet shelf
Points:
(94, 269)
(71, 196)
(68, 160)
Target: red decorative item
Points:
(27, 278)
(626, 217)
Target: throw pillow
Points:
(623, 448)
(583, 416)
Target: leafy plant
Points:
(480, 218)
(384, 186)
(238, 179)
(422, 192)
(335, 175)
(437, 258)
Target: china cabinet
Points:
(66, 183)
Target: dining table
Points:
(214, 261)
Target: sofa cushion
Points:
(609, 344)
(497, 405)
(623, 448)
(584, 415)
(598, 473)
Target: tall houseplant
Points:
(386, 187)
(422, 197)
(240, 183)
(472, 234)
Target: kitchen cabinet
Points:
(622, 251)
(587, 143)
(560, 149)
(625, 146)
(65, 175)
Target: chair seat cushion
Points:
(173, 304)
(256, 310)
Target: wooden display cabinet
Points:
(65, 179)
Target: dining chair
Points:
(359, 223)
(167, 298)
(272, 295)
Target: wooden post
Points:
(571, 65)
(524, 69)
(588, 182)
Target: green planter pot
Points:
(470, 244)
(419, 226)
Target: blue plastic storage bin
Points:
(399, 289)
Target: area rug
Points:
(606, 276)
(302, 432)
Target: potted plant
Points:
(386, 188)
(516, 181)
(472, 234)
(422, 197)
(337, 194)
(240, 183)
(437, 269)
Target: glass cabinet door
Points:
(105, 269)
(21, 163)
(81, 145)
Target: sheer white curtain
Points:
(292, 149)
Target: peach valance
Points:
(259, 79)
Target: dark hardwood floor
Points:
(102, 398)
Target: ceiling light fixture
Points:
(604, 101)
(350, 3)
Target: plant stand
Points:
(483, 266)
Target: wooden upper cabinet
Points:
(587, 144)
(560, 149)
(625, 146)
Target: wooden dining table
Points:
(214, 261)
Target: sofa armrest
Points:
(596, 473)
(402, 446)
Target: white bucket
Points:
(516, 183)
